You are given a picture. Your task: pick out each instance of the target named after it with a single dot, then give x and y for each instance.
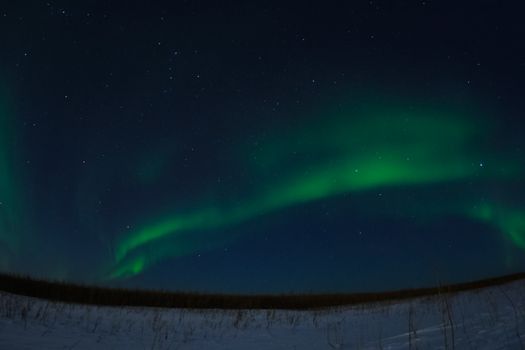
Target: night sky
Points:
(262, 147)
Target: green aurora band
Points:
(380, 149)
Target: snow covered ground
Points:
(490, 318)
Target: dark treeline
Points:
(72, 293)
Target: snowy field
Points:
(490, 318)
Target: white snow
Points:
(490, 318)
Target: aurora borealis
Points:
(401, 149)
(139, 149)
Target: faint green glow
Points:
(151, 168)
(510, 221)
(382, 149)
(138, 266)
(9, 199)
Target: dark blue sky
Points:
(262, 147)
